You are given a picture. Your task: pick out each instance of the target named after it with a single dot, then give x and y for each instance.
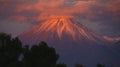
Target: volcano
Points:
(73, 41)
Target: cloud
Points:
(35, 11)
(40, 9)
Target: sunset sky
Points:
(102, 16)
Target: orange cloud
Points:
(41, 9)
(114, 8)
(104, 11)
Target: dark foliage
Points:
(40, 56)
(78, 65)
(100, 65)
(61, 65)
(12, 54)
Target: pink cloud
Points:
(90, 9)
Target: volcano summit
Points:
(60, 27)
(74, 42)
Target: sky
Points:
(102, 16)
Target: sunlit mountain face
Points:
(60, 27)
(74, 42)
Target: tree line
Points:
(14, 54)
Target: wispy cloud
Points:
(40, 9)
(107, 12)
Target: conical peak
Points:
(61, 17)
(62, 27)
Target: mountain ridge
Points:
(74, 42)
(63, 26)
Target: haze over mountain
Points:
(74, 42)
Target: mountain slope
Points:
(60, 27)
(74, 42)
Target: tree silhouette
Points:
(10, 50)
(100, 65)
(61, 65)
(40, 56)
(14, 54)
(79, 65)
(4, 39)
